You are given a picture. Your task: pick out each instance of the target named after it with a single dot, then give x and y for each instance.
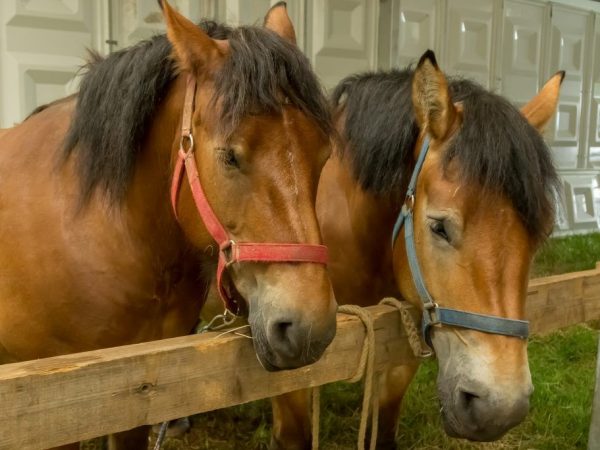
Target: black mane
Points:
(119, 94)
(495, 146)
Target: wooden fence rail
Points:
(55, 401)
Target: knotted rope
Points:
(366, 369)
(419, 348)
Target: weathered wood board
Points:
(59, 400)
(562, 300)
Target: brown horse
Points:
(484, 203)
(91, 253)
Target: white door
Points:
(42, 45)
(341, 37)
(470, 39)
(415, 28)
(594, 126)
(520, 73)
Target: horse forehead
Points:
(486, 211)
(284, 133)
(441, 182)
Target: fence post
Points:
(594, 439)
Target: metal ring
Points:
(409, 202)
(189, 138)
(224, 248)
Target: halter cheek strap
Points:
(230, 252)
(433, 314)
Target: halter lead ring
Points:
(433, 314)
(230, 252)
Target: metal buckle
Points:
(409, 204)
(426, 353)
(189, 139)
(227, 249)
(431, 310)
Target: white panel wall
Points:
(41, 49)
(594, 124)
(341, 37)
(569, 44)
(469, 34)
(520, 71)
(414, 29)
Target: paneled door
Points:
(520, 73)
(341, 37)
(414, 29)
(470, 38)
(42, 46)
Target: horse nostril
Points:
(282, 330)
(285, 338)
(470, 402)
(467, 398)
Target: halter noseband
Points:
(230, 251)
(432, 313)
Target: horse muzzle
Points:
(282, 342)
(474, 411)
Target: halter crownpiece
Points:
(230, 252)
(433, 314)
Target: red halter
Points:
(229, 251)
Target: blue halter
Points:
(432, 313)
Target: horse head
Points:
(482, 204)
(259, 129)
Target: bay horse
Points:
(104, 243)
(484, 201)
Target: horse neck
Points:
(148, 201)
(357, 226)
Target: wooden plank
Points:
(59, 400)
(594, 438)
(563, 300)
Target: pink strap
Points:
(229, 252)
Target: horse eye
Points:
(437, 227)
(228, 158)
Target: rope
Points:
(366, 369)
(419, 349)
(161, 435)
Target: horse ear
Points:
(433, 106)
(278, 20)
(542, 107)
(194, 49)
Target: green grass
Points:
(562, 366)
(568, 254)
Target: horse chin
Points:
(273, 362)
(455, 429)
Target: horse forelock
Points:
(495, 147)
(119, 95)
(498, 149)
